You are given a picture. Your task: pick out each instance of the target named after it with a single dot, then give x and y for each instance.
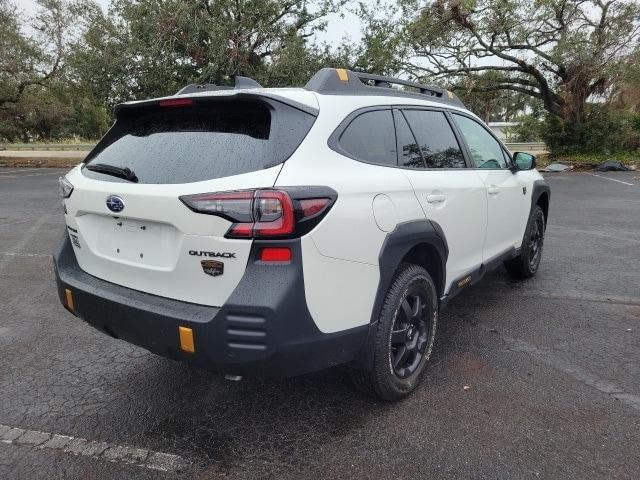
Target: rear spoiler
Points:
(201, 96)
(240, 82)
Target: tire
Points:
(526, 264)
(408, 321)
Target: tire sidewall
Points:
(536, 215)
(394, 386)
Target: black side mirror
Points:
(524, 161)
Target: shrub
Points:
(603, 130)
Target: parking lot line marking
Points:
(578, 373)
(19, 254)
(609, 178)
(141, 457)
(19, 171)
(585, 297)
(25, 239)
(17, 222)
(32, 175)
(575, 295)
(595, 234)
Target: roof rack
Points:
(340, 81)
(240, 82)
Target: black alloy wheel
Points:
(404, 336)
(535, 242)
(526, 264)
(411, 328)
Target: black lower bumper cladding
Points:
(264, 329)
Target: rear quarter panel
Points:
(341, 255)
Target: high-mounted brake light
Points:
(176, 102)
(262, 213)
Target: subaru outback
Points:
(280, 231)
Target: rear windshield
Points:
(201, 142)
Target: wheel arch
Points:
(427, 256)
(540, 196)
(543, 203)
(421, 242)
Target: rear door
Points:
(508, 207)
(450, 194)
(139, 234)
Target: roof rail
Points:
(339, 81)
(240, 82)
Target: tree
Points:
(37, 95)
(561, 52)
(378, 52)
(17, 54)
(626, 94)
(64, 69)
(146, 48)
(37, 59)
(491, 105)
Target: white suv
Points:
(266, 231)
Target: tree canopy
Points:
(560, 52)
(62, 70)
(569, 63)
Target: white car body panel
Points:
(332, 300)
(508, 210)
(112, 252)
(460, 208)
(340, 255)
(350, 231)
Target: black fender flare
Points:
(541, 188)
(397, 244)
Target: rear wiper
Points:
(114, 171)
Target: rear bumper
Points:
(264, 329)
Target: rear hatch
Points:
(132, 229)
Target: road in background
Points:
(535, 379)
(63, 155)
(12, 159)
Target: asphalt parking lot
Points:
(538, 379)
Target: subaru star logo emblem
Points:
(115, 203)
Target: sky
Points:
(337, 27)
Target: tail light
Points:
(66, 189)
(266, 213)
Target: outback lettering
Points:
(202, 253)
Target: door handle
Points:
(493, 190)
(436, 198)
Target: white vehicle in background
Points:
(268, 231)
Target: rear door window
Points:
(437, 141)
(212, 139)
(371, 138)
